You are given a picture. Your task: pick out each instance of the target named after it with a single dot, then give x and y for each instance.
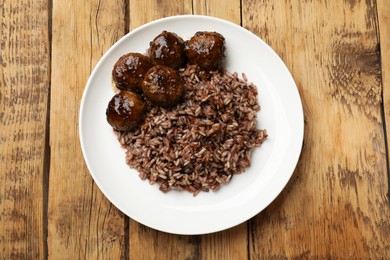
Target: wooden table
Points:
(335, 205)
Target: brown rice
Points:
(201, 142)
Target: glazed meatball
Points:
(126, 111)
(167, 49)
(163, 86)
(129, 71)
(206, 49)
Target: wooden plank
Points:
(336, 204)
(228, 244)
(146, 243)
(384, 32)
(228, 9)
(81, 221)
(24, 85)
(156, 9)
(231, 243)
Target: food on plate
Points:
(193, 126)
(163, 86)
(203, 141)
(167, 49)
(206, 49)
(126, 111)
(129, 71)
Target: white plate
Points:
(247, 194)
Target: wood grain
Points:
(336, 204)
(24, 85)
(228, 244)
(384, 32)
(156, 9)
(81, 221)
(227, 9)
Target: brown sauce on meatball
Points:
(129, 71)
(126, 111)
(163, 86)
(167, 49)
(206, 49)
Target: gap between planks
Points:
(386, 143)
(383, 110)
(47, 153)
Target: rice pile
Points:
(201, 142)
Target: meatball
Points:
(167, 49)
(206, 49)
(163, 86)
(126, 111)
(129, 71)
